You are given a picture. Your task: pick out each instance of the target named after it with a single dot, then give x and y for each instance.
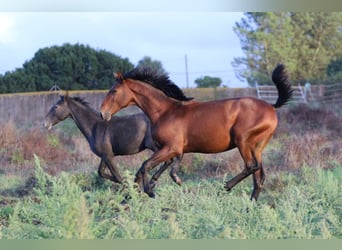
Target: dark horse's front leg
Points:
(103, 166)
(141, 177)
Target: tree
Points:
(334, 71)
(155, 65)
(69, 66)
(304, 41)
(208, 82)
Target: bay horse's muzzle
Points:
(106, 116)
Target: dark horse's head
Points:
(60, 111)
(57, 113)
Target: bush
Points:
(309, 206)
(56, 210)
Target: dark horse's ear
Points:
(64, 97)
(118, 76)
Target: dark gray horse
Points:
(123, 135)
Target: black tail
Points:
(280, 79)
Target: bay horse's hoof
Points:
(177, 180)
(227, 186)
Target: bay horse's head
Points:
(57, 113)
(119, 96)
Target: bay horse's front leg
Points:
(141, 177)
(174, 163)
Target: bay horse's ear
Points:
(118, 76)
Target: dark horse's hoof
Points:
(151, 194)
(127, 197)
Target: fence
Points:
(307, 94)
(30, 108)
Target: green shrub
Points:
(57, 210)
(299, 205)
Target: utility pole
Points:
(186, 71)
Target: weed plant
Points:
(66, 207)
(50, 188)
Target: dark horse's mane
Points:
(81, 100)
(159, 81)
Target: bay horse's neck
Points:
(84, 117)
(152, 101)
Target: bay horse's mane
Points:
(158, 81)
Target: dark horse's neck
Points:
(84, 117)
(151, 100)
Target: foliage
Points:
(58, 210)
(308, 205)
(69, 66)
(301, 198)
(334, 71)
(304, 41)
(208, 82)
(155, 65)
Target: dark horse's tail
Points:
(280, 79)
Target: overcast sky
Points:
(207, 38)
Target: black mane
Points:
(81, 100)
(78, 100)
(159, 81)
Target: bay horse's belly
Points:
(213, 140)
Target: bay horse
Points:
(180, 124)
(123, 135)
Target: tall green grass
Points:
(308, 206)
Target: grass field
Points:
(50, 188)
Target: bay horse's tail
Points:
(280, 79)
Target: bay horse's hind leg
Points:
(259, 175)
(258, 181)
(251, 166)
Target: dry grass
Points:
(58, 151)
(305, 136)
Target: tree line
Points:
(308, 43)
(76, 67)
(69, 67)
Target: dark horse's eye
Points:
(55, 108)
